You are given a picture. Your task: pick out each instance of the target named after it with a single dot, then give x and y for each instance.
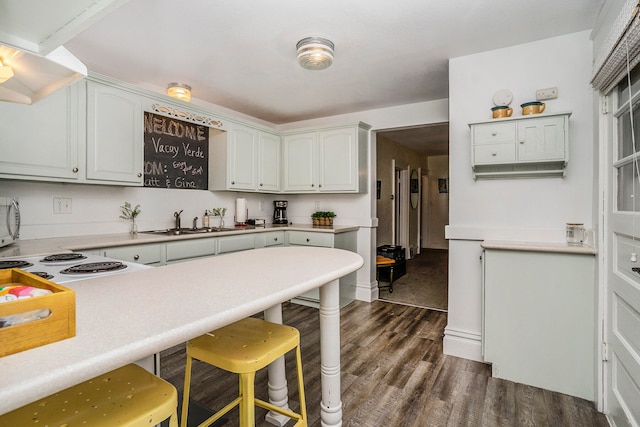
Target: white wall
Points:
(513, 209)
(438, 208)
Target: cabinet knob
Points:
(275, 239)
(74, 170)
(307, 240)
(494, 133)
(139, 175)
(233, 183)
(319, 185)
(136, 257)
(261, 184)
(494, 154)
(312, 185)
(522, 141)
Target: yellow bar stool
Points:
(244, 348)
(128, 396)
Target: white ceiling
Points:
(241, 54)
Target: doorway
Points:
(404, 208)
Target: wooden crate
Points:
(59, 325)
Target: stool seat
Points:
(245, 347)
(127, 396)
(381, 260)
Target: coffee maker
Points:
(280, 212)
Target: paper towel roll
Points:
(241, 210)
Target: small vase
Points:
(221, 223)
(134, 227)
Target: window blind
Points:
(610, 65)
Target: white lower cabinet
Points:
(149, 254)
(540, 320)
(345, 241)
(236, 243)
(270, 239)
(186, 250)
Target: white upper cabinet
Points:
(269, 163)
(40, 141)
(300, 162)
(115, 144)
(326, 160)
(244, 159)
(528, 146)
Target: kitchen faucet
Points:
(177, 215)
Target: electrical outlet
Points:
(548, 93)
(61, 205)
(261, 205)
(317, 206)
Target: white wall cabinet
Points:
(528, 146)
(245, 159)
(326, 160)
(40, 141)
(115, 138)
(539, 319)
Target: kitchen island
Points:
(126, 317)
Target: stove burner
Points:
(42, 274)
(94, 267)
(63, 257)
(16, 263)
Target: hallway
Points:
(425, 285)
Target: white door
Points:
(622, 240)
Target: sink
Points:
(177, 232)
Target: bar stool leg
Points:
(247, 406)
(185, 394)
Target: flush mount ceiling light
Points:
(6, 72)
(179, 91)
(315, 53)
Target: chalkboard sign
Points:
(176, 153)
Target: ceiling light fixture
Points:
(6, 72)
(315, 53)
(179, 91)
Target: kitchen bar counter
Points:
(123, 318)
(37, 247)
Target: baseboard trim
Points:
(367, 292)
(463, 344)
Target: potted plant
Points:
(328, 216)
(129, 213)
(219, 212)
(315, 217)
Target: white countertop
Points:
(538, 247)
(125, 317)
(36, 247)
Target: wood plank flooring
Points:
(394, 374)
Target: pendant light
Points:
(315, 53)
(179, 91)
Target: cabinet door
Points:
(338, 160)
(115, 144)
(40, 141)
(141, 254)
(269, 162)
(300, 170)
(242, 158)
(541, 139)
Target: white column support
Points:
(331, 404)
(278, 390)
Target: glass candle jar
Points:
(575, 233)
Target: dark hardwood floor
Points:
(394, 374)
